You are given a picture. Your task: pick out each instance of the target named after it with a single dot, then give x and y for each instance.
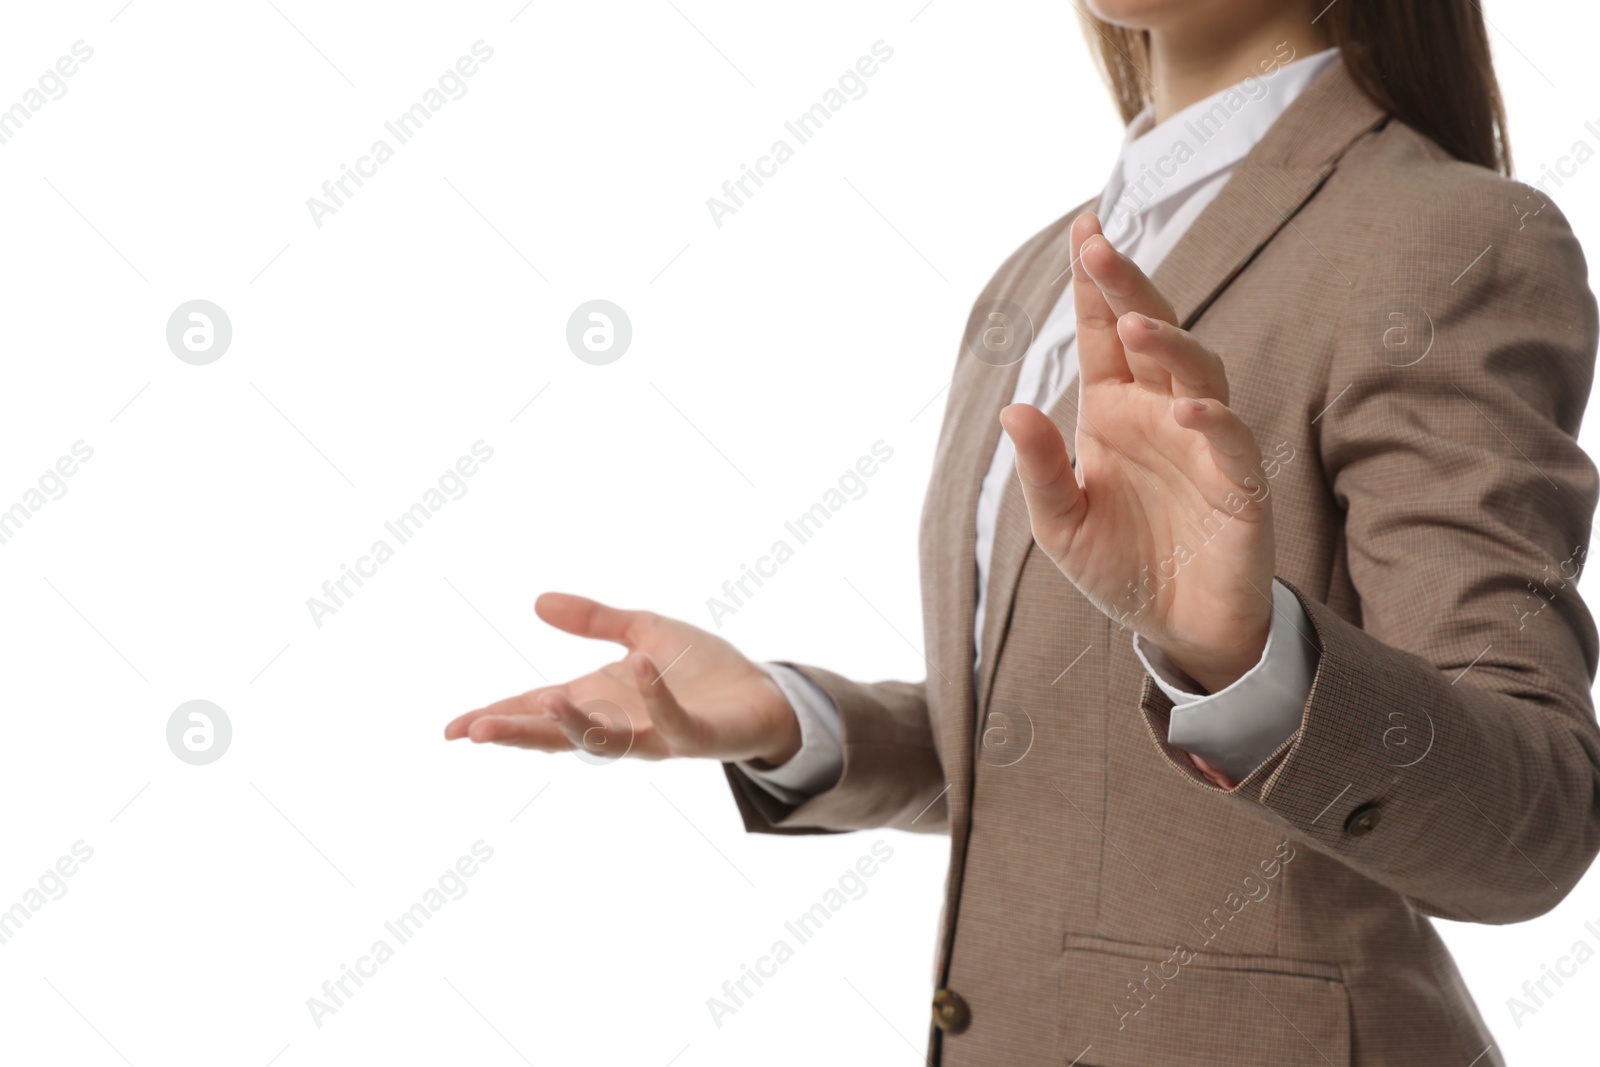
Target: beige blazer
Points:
(1412, 340)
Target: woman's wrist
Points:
(1215, 670)
(785, 737)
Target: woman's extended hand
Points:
(1165, 523)
(679, 691)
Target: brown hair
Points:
(1398, 52)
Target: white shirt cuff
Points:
(817, 766)
(1238, 727)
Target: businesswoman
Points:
(1248, 574)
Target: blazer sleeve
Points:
(1457, 707)
(892, 776)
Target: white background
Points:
(370, 353)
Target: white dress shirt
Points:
(1165, 177)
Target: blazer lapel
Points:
(1032, 281)
(1268, 186)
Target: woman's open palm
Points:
(679, 691)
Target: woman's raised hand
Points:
(1165, 523)
(678, 691)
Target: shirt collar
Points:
(1157, 162)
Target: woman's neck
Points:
(1191, 63)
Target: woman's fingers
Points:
(521, 720)
(527, 719)
(1049, 484)
(1122, 284)
(588, 618)
(682, 733)
(1215, 775)
(1193, 368)
(520, 731)
(523, 704)
(1100, 354)
(548, 719)
(599, 727)
(1122, 288)
(1230, 442)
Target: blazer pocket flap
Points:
(1137, 1006)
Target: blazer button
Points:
(950, 1012)
(1363, 820)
